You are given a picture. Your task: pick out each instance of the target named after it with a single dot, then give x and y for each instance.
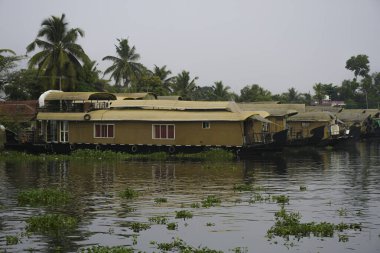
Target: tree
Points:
(359, 64)
(166, 81)
(254, 93)
(125, 68)
(60, 57)
(319, 92)
(7, 63)
(89, 78)
(184, 86)
(221, 92)
(23, 85)
(205, 93)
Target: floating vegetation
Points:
(172, 226)
(159, 220)
(183, 214)
(178, 245)
(210, 201)
(240, 250)
(257, 197)
(56, 224)
(103, 249)
(303, 188)
(43, 197)
(243, 187)
(210, 224)
(160, 200)
(108, 155)
(288, 224)
(343, 238)
(137, 226)
(195, 205)
(281, 199)
(342, 211)
(12, 239)
(129, 193)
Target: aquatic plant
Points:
(257, 197)
(183, 214)
(105, 249)
(178, 245)
(281, 199)
(172, 226)
(240, 250)
(210, 224)
(44, 197)
(160, 200)
(243, 187)
(56, 224)
(158, 220)
(195, 205)
(129, 193)
(342, 211)
(210, 201)
(303, 188)
(288, 224)
(137, 226)
(12, 239)
(343, 238)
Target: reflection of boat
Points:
(71, 120)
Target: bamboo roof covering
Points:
(133, 96)
(82, 96)
(175, 105)
(312, 116)
(317, 108)
(152, 115)
(355, 115)
(274, 109)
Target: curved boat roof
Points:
(313, 116)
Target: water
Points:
(345, 179)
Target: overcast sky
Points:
(274, 43)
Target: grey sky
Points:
(274, 43)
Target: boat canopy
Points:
(52, 95)
(135, 96)
(312, 117)
(277, 109)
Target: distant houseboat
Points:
(71, 120)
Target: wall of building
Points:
(299, 129)
(186, 133)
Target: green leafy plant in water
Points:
(159, 220)
(183, 214)
(103, 249)
(195, 205)
(12, 239)
(129, 193)
(303, 188)
(55, 224)
(239, 250)
(210, 224)
(342, 211)
(211, 201)
(44, 197)
(343, 238)
(257, 197)
(281, 199)
(137, 226)
(178, 245)
(243, 187)
(160, 200)
(288, 224)
(172, 226)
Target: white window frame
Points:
(64, 131)
(167, 132)
(206, 124)
(104, 124)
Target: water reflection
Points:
(335, 179)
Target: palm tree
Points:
(319, 93)
(163, 74)
(184, 86)
(125, 67)
(221, 92)
(60, 56)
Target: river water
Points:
(339, 185)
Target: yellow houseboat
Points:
(68, 120)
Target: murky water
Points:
(346, 179)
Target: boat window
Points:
(206, 125)
(104, 130)
(163, 131)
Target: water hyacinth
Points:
(55, 224)
(44, 197)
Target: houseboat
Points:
(361, 122)
(72, 120)
(316, 129)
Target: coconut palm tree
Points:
(221, 92)
(60, 55)
(184, 86)
(163, 74)
(125, 68)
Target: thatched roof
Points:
(318, 108)
(312, 116)
(357, 115)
